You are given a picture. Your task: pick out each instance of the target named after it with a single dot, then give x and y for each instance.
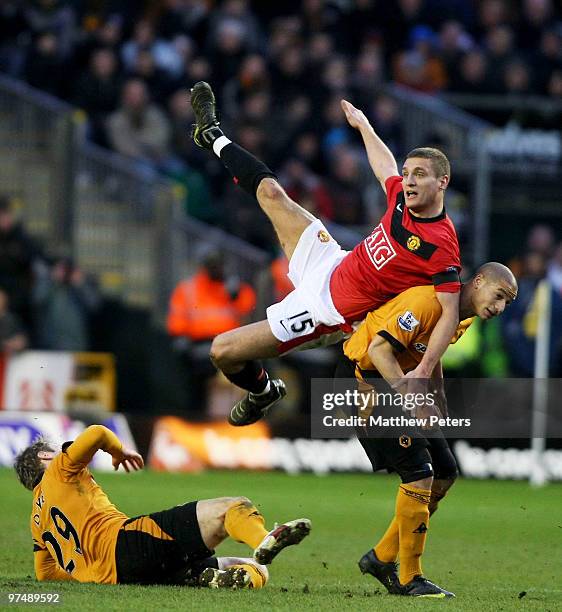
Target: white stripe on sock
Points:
(219, 144)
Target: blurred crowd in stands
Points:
(46, 301)
(279, 70)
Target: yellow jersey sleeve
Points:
(408, 316)
(78, 454)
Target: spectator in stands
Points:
(207, 304)
(453, 42)
(346, 187)
(492, 13)
(18, 255)
(256, 111)
(57, 17)
(518, 342)
(167, 56)
(12, 334)
(516, 78)
(555, 85)
(184, 17)
(290, 77)
(540, 240)
(548, 59)
(385, 119)
(97, 91)
(397, 20)
(252, 77)
(107, 35)
(320, 47)
(536, 16)
(64, 299)
(554, 271)
(472, 78)
(292, 121)
(335, 129)
(500, 45)
(366, 80)
(157, 81)
(306, 188)
(420, 67)
(181, 118)
(306, 147)
(237, 12)
(45, 67)
(139, 129)
(227, 49)
(15, 37)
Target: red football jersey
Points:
(403, 251)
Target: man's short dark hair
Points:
(28, 466)
(439, 161)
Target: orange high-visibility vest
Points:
(279, 269)
(201, 308)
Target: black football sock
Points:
(252, 377)
(246, 169)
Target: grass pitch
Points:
(497, 545)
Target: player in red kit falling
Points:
(414, 244)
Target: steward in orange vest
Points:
(208, 304)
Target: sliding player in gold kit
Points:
(78, 534)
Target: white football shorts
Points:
(307, 316)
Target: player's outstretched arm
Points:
(380, 157)
(441, 335)
(98, 437)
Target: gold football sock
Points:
(412, 515)
(258, 579)
(244, 523)
(387, 548)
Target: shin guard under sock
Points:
(246, 169)
(412, 516)
(244, 523)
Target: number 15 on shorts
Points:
(300, 324)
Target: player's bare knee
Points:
(223, 504)
(270, 191)
(231, 502)
(442, 485)
(243, 501)
(221, 351)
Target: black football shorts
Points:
(162, 548)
